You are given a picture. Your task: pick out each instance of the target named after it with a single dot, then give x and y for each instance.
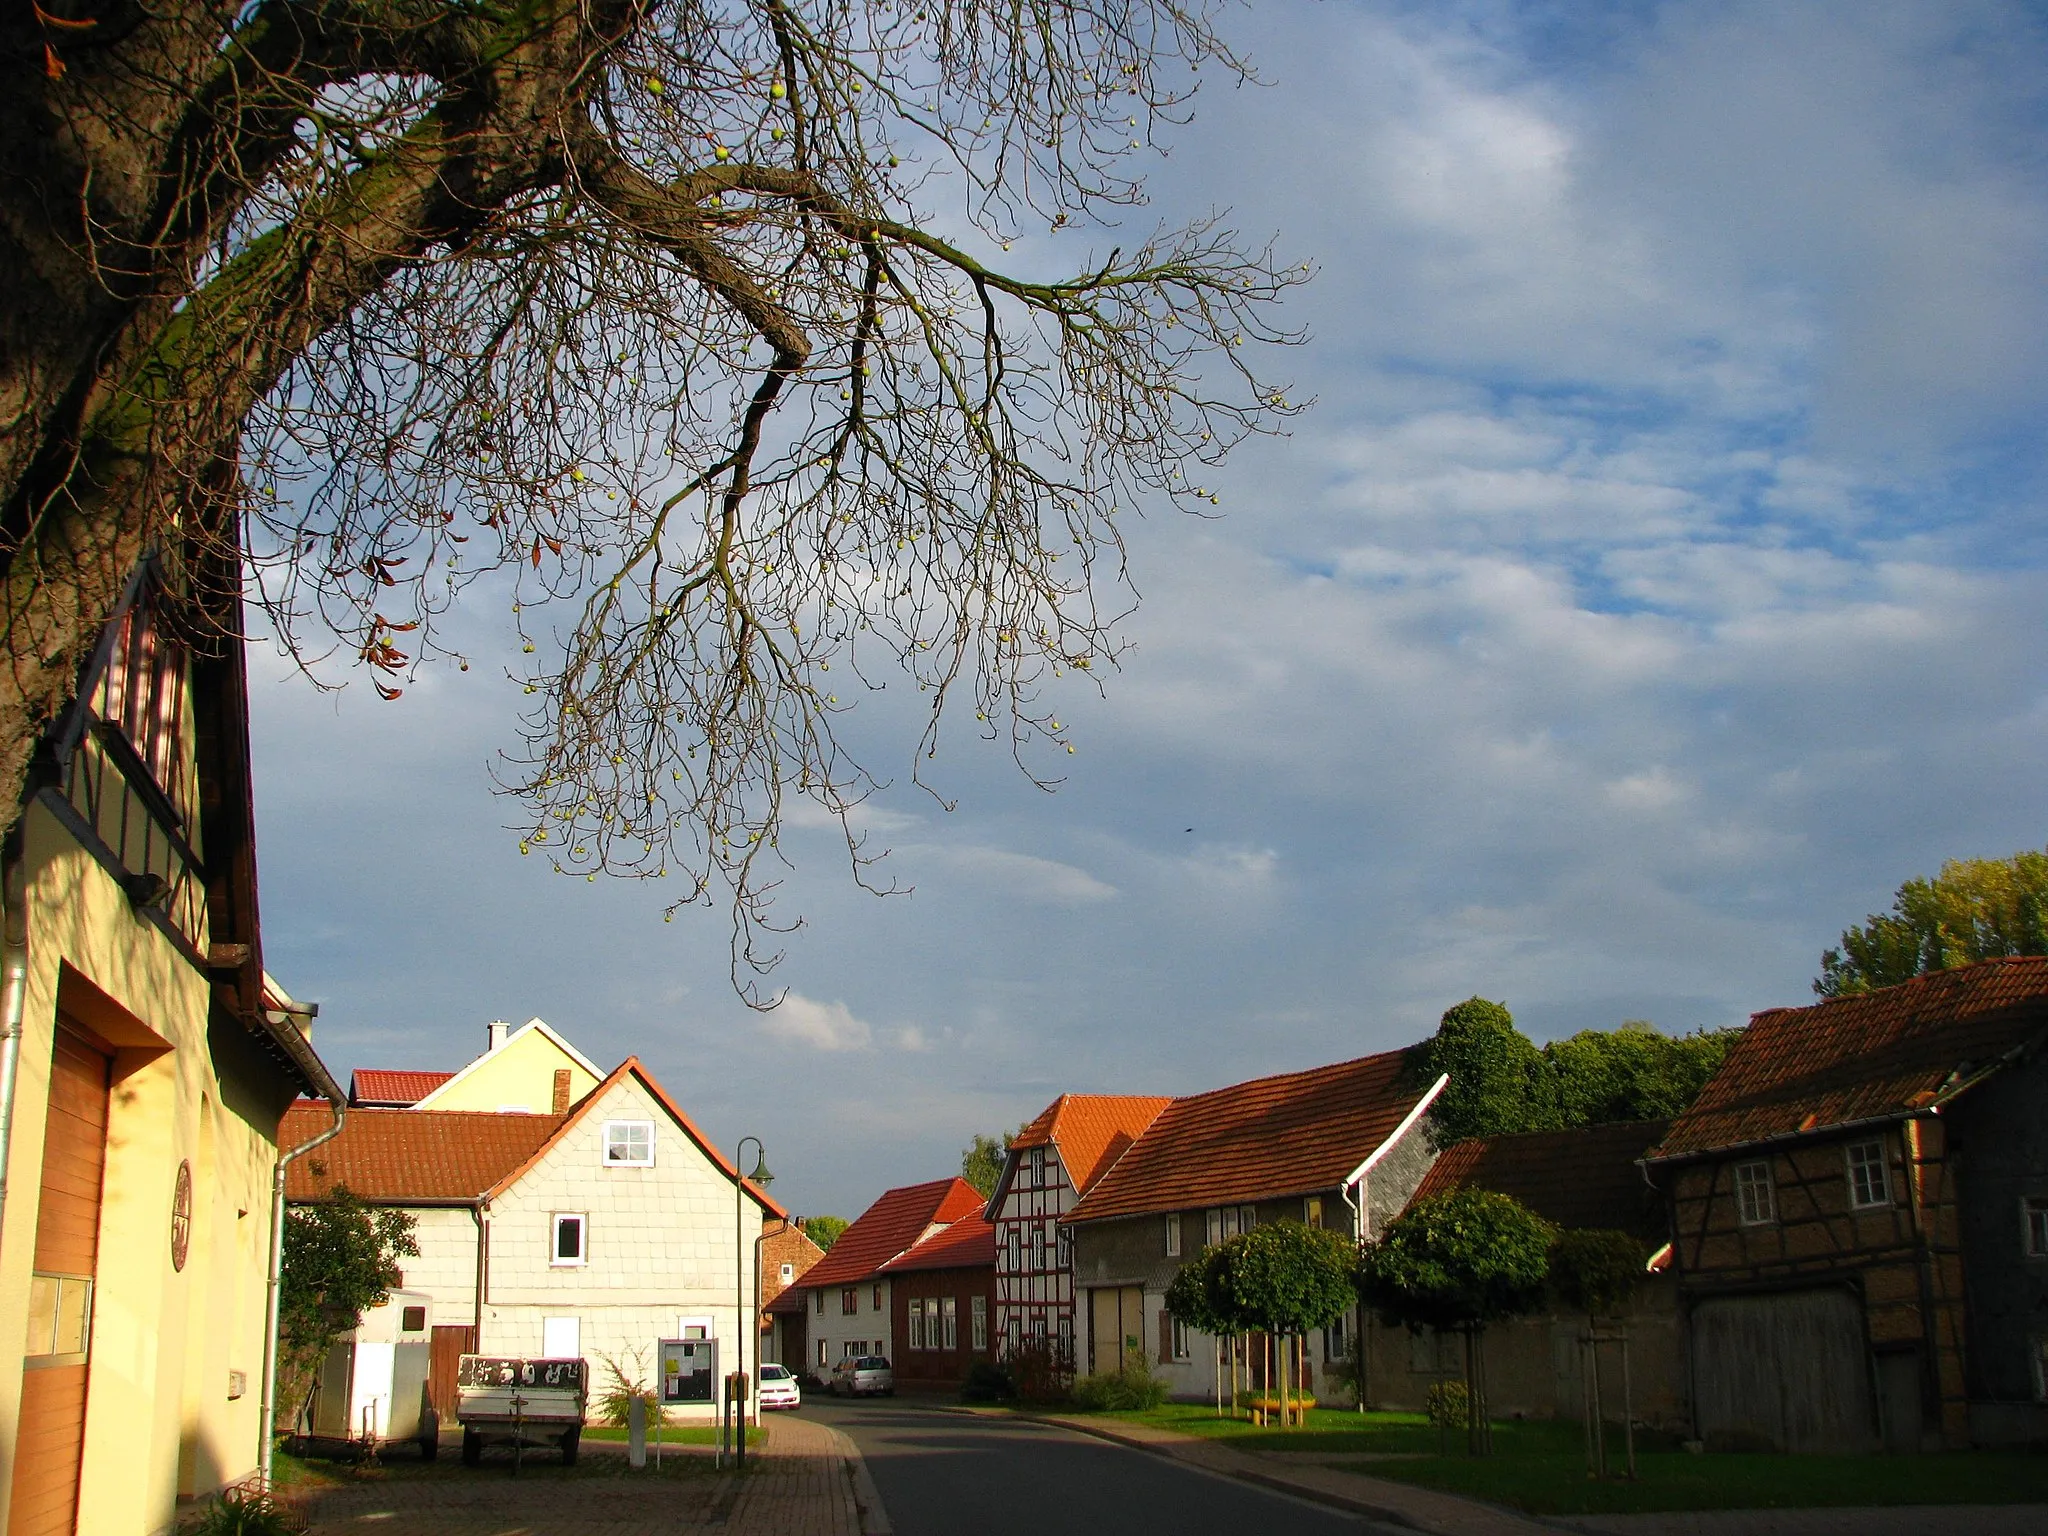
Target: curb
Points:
(867, 1498)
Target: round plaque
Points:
(181, 1216)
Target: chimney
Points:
(496, 1030)
(561, 1090)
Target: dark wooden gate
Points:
(450, 1345)
(1788, 1371)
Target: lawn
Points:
(1540, 1466)
(671, 1434)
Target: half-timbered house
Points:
(1859, 1219)
(1051, 1163)
(147, 1061)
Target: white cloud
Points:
(821, 1026)
(1013, 876)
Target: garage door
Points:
(44, 1499)
(1788, 1371)
(1116, 1322)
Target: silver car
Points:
(862, 1376)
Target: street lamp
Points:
(748, 1321)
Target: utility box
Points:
(372, 1387)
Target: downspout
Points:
(13, 996)
(273, 1285)
(476, 1323)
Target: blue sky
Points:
(1656, 584)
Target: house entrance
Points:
(51, 1438)
(1116, 1322)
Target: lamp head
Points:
(761, 1176)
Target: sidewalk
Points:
(806, 1480)
(1902, 1520)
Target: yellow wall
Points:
(520, 1074)
(158, 1418)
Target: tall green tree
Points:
(981, 1164)
(1457, 1262)
(340, 1259)
(1495, 1072)
(1975, 909)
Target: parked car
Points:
(863, 1376)
(778, 1387)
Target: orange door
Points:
(51, 1439)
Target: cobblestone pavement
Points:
(800, 1483)
(1909, 1520)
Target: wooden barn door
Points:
(450, 1345)
(51, 1439)
(1784, 1372)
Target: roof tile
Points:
(1853, 1059)
(1295, 1133)
(1091, 1130)
(890, 1226)
(391, 1088)
(399, 1155)
(1583, 1177)
(969, 1243)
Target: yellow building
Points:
(531, 1070)
(147, 1065)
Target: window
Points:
(569, 1242)
(916, 1325)
(1229, 1228)
(1214, 1222)
(1037, 1246)
(1013, 1333)
(1334, 1341)
(788, 1273)
(949, 1314)
(854, 1348)
(59, 1314)
(819, 1298)
(2035, 1211)
(1066, 1247)
(1066, 1336)
(1868, 1185)
(412, 1320)
(1247, 1218)
(849, 1301)
(822, 1360)
(1180, 1340)
(1173, 1236)
(561, 1338)
(1312, 1211)
(1753, 1203)
(878, 1296)
(629, 1143)
(977, 1311)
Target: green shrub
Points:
(1134, 1387)
(628, 1382)
(243, 1512)
(987, 1382)
(1449, 1406)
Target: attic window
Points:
(629, 1143)
(1868, 1186)
(1754, 1206)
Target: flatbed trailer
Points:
(505, 1400)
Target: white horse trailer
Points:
(372, 1387)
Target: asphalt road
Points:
(943, 1474)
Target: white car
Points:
(778, 1387)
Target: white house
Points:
(594, 1232)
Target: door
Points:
(1784, 1372)
(1116, 1322)
(1898, 1384)
(561, 1338)
(451, 1343)
(44, 1500)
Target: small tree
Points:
(1597, 1272)
(340, 1259)
(1460, 1261)
(1199, 1298)
(981, 1161)
(1289, 1278)
(824, 1230)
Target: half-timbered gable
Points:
(1818, 1191)
(1051, 1163)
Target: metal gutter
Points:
(265, 1428)
(13, 995)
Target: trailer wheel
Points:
(430, 1447)
(472, 1448)
(570, 1443)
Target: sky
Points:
(1656, 583)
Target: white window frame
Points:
(1063, 1246)
(581, 1220)
(949, 1315)
(2034, 1226)
(823, 1361)
(977, 1312)
(1858, 1170)
(787, 1273)
(612, 1126)
(1014, 1249)
(1173, 1235)
(876, 1299)
(1247, 1217)
(1213, 1224)
(1312, 1211)
(1178, 1341)
(1756, 1195)
(818, 1296)
(1037, 1245)
(916, 1329)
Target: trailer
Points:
(371, 1389)
(502, 1400)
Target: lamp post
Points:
(747, 1320)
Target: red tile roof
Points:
(970, 1243)
(1091, 1130)
(389, 1088)
(1584, 1177)
(889, 1226)
(1296, 1133)
(1854, 1059)
(402, 1155)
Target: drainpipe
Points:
(13, 996)
(284, 1161)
